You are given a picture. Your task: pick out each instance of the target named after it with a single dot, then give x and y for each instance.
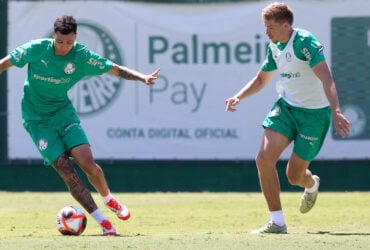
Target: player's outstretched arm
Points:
(5, 63)
(130, 74)
(253, 86)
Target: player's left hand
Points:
(149, 79)
(342, 125)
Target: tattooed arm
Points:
(130, 74)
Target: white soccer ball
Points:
(71, 220)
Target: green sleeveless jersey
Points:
(49, 77)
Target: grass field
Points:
(189, 221)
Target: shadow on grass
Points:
(101, 235)
(338, 234)
(92, 235)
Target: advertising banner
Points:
(206, 52)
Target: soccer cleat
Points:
(121, 211)
(271, 228)
(108, 229)
(308, 200)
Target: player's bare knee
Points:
(64, 167)
(93, 170)
(97, 171)
(261, 161)
(294, 179)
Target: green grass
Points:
(189, 221)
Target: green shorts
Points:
(56, 135)
(306, 127)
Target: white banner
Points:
(206, 53)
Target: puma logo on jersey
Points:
(44, 62)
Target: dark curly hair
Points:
(65, 25)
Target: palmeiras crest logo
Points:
(93, 94)
(69, 68)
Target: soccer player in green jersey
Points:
(55, 66)
(307, 101)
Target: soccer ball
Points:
(71, 220)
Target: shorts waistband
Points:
(282, 102)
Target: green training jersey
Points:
(49, 76)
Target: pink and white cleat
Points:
(121, 211)
(108, 229)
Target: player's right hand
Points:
(230, 103)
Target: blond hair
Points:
(278, 12)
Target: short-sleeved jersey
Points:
(299, 86)
(49, 76)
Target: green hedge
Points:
(186, 176)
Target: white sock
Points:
(277, 217)
(98, 216)
(313, 188)
(107, 198)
